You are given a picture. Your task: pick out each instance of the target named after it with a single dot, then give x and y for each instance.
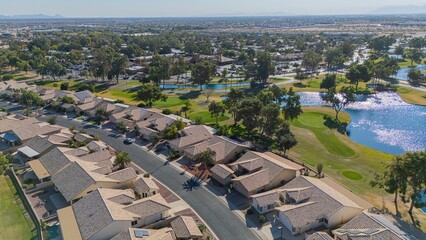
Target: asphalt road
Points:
(225, 224)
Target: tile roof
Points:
(55, 160)
(267, 198)
(185, 227)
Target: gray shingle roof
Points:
(319, 236)
(39, 143)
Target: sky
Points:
(194, 8)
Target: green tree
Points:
(319, 169)
(415, 55)
(415, 76)
(216, 110)
(187, 106)
(246, 112)
(179, 67)
(284, 138)
(122, 159)
(265, 66)
(292, 107)
(269, 119)
(311, 60)
(339, 102)
(233, 97)
(171, 132)
(391, 180)
(329, 81)
(357, 73)
(159, 69)
(150, 93)
(202, 72)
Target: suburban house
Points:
(225, 149)
(185, 227)
(145, 187)
(84, 97)
(156, 125)
(308, 203)
(258, 172)
(80, 178)
(319, 236)
(369, 226)
(16, 131)
(46, 94)
(88, 107)
(105, 213)
(40, 144)
(190, 136)
(222, 174)
(146, 234)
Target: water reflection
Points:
(382, 121)
(402, 73)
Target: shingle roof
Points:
(369, 226)
(191, 136)
(160, 234)
(185, 227)
(319, 236)
(123, 175)
(94, 212)
(254, 181)
(222, 171)
(55, 160)
(39, 143)
(267, 198)
(149, 206)
(323, 201)
(145, 184)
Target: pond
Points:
(206, 86)
(382, 121)
(402, 73)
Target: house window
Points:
(270, 206)
(134, 223)
(261, 209)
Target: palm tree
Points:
(207, 157)
(122, 159)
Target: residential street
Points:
(217, 215)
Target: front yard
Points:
(14, 220)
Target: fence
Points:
(25, 202)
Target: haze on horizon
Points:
(194, 8)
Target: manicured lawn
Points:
(412, 96)
(352, 175)
(13, 224)
(340, 156)
(313, 84)
(314, 121)
(126, 95)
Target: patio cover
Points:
(9, 137)
(29, 152)
(69, 227)
(39, 169)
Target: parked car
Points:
(128, 140)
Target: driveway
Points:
(224, 223)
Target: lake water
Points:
(382, 121)
(206, 86)
(402, 73)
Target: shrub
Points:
(119, 101)
(202, 227)
(141, 105)
(167, 111)
(7, 77)
(146, 175)
(262, 218)
(65, 86)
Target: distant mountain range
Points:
(408, 9)
(31, 16)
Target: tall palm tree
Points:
(207, 157)
(122, 159)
